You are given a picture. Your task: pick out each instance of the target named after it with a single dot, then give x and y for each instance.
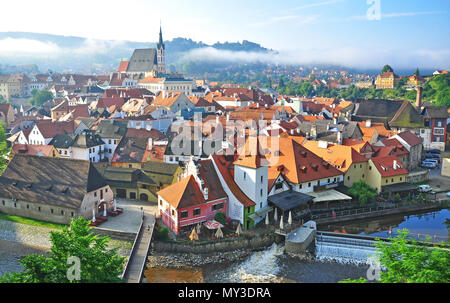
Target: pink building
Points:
(195, 199)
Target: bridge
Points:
(134, 268)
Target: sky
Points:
(349, 32)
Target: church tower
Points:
(160, 51)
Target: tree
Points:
(4, 150)
(387, 69)
(417, 73)
(405, 261)
(362, 192)
(97, 263)
(41, 97)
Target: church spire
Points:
(161, 41)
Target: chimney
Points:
(217, 120)
(150, 143)
(292, 132)
(228, 117)
(205, 193)
(339, 137)
(313, 132)
(148, 127)
(368, 123)
(419, 97)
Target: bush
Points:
(162, 233)
(221, 218)
(397, 198)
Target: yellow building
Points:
(446, 166)
(386, 171)
(415, 81)
(387, 80)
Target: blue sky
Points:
(411, 31)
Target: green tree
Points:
(405, 261)
(41, 97)
(362, 192)
(387, 69)
(4, 149)
(417, 73)
(98, 264)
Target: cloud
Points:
(17, 47)
(349, 57)
(397, 15)
(318, 4)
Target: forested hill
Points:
(78, 54)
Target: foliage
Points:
(40, 97)
(405, 261)
(362, 192)
(97, 263)
(387, 68)
(4, 149)
(397, 198)
(221, 218)
(162, 233)
(360, 280)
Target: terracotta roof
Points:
(410, 138)
(340, 156)
(123, 66)
(385, 165)
(383, 151)
(183, 194)
(168, 100)
(144, 133)
(226, 170)
(34, 150)
(49, 129)
(151, 79)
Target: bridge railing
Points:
(132, 248)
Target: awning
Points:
(261, 213)
(289, 200)
(213, 224)
(328, 196)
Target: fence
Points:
(371, 210)
(133, 247)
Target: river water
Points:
(273, 266)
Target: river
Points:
(272, 266)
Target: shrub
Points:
(221, 218)
(162, 233)
(397, 198)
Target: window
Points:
(3, 202)
(51, 210)
(278, 185)
(95, 194)
(184, 214)
(262, 178)
(15, 204)
(217, 206)
(62, 213)
(348, 178)
(309, 184)
(173, 213)
(28, 206)
(245, 175)
(392, 180)
(39, 208)
(72, 214)
(197, 212)
(401, 178)
(261, 192)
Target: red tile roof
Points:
(226, 170)
(410, 138)
(385, 165)
(183, 194)
(123, 66)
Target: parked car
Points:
(432, 156)
(431, 160)
(428, 164)
(434, 151)
(425, 188)
(448, 194)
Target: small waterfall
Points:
(260, 267)
(344, 250)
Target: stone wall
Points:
(254, 243)
(419, 176)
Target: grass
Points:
(31, 222)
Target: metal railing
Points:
(133, 248)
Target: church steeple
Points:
(161, 53)
(161, 41)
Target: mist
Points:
(348, 57)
